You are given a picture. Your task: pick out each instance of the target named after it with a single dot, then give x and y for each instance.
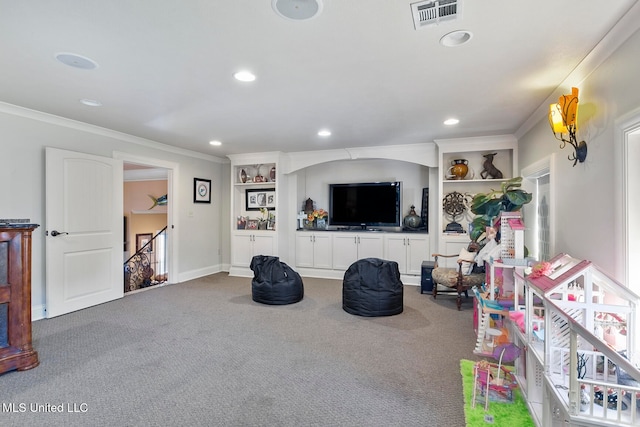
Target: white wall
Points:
(314, 181)
(588, 196)
(25, 134)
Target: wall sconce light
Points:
(563, 118)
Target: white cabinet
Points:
(408, 250)
(248, 244)
(347, 248)
(313, 249)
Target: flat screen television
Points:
(368, 204)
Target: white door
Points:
(84, 229)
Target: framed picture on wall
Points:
(142, 240)
(201, 190)
(260, 198)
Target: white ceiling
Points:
(359, 68)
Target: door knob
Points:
(55, 233)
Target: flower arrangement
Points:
(540, 269)
(317, 214)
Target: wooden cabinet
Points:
(347, 248)
(408, 250)
(313, 250)
(16, 351)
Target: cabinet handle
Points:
(311, 239)
(408, 242)
(314, 239)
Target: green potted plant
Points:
(487, 206)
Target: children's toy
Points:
(492, 382)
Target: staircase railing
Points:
(148, 266)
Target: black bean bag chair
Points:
(372, 287)
(274, 282)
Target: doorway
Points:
(155, 208)
(145, 223)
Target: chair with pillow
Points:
(458, 280)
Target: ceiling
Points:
(359, 68)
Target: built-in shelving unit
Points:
(254, 184)
(472, 150)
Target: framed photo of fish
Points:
(201, 190)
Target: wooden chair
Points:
(454, 278)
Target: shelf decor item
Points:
(459, 169)
(257, 199)
(489, 170)
(454, 205)
(412, 221)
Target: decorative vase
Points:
(412, 221)
(321, 223)
(243, 176)
(459, 168)
(272, 174)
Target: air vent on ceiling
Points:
(434, 11)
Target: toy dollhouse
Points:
(578, 360)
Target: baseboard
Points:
(37, 312)
(201, 272)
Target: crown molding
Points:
(28, 113)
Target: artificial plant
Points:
(487, 206)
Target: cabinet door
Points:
(345, 250)
(396, 250)
(370, 246)
(242, 249)
(452, 248)
(304, 249)
(322, 250)
(417, 251)
(263, 244)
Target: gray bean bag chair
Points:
(372, 287)
(274, 282)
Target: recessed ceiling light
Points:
(244, 76)
(451, 122)
(91, 102)
(456, 38)
(324, 132)
(297, 10)
(76, 61)
(215, 143)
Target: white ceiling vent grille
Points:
(434, 11)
